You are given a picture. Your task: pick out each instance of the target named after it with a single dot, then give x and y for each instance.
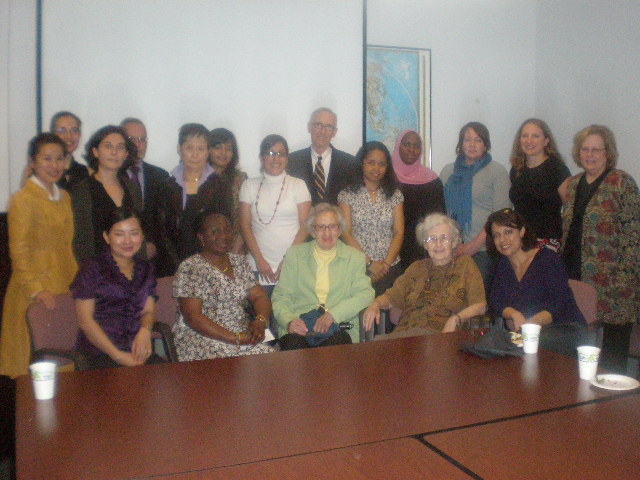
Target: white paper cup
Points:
(43, 375)
(530, 337)
(588, 357)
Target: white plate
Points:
(611, 381)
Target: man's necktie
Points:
(318, 178)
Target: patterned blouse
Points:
(610, 244)
(372, 221)
(223, 302)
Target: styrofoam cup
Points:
(588, 357)
(530, 337)
(43, 375)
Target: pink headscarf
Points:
(415, 174)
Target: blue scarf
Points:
(457, 191)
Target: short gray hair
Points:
(321, 208)
(320, 110)
(434, 220)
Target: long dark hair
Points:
(219, 136)
(388, 181)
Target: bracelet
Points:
(238, 340)
(261, 318)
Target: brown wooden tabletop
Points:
(589, 442)
(166, 419)
(401, 459)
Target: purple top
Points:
(544, 286)
(119, 301)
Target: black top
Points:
(103, 207)
(572, 253)
(73, 175)
(534, 194)
(419, 201)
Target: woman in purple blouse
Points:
(530, 283)
(115, 302)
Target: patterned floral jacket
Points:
(611, 245)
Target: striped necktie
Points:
(318, 178)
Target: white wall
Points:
(482, 62)
(17, 90)
(588, 71)
(571, 62)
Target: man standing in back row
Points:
(152, 181)
(325, 169)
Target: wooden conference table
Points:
(163, 420)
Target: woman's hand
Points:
(264, 271)
(126, 359)
(324, 323)
(297, 326)
(46, 297)
(141, 346)
(255, 332)
(451, 324)
(371, 314)
(513, 318)
(279, 270)
(378, 270)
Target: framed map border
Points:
(375, 96)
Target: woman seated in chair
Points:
(436, 294)
(115, 301)
(530, 283)
(213, 288)
(323, 283)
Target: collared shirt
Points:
(326, 161)
(55, 195)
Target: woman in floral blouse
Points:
(373, 209)
(601, 227)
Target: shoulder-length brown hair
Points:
(609, 143)
(508, 217)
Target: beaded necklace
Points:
(277, 201)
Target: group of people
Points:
(316, 238)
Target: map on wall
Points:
(398, 95)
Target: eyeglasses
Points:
(139, 139)
(332, 227)
(444, 239)
(594, 151)
(120, 147)
(323, 126)
(277, 154)
(63, 131)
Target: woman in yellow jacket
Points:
(42, 261)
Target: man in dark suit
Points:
(325, 169)
(152, 181)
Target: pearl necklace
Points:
(277, 201)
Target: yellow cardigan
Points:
(40, 235)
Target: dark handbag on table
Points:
(495, 343)
(314, 338)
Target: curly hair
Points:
(97, 138)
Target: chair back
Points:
(166, 312)
(53, 332)
(166, 306)
(634, 341)
(587, 300)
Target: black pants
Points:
(615, 347)
(293, 341)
